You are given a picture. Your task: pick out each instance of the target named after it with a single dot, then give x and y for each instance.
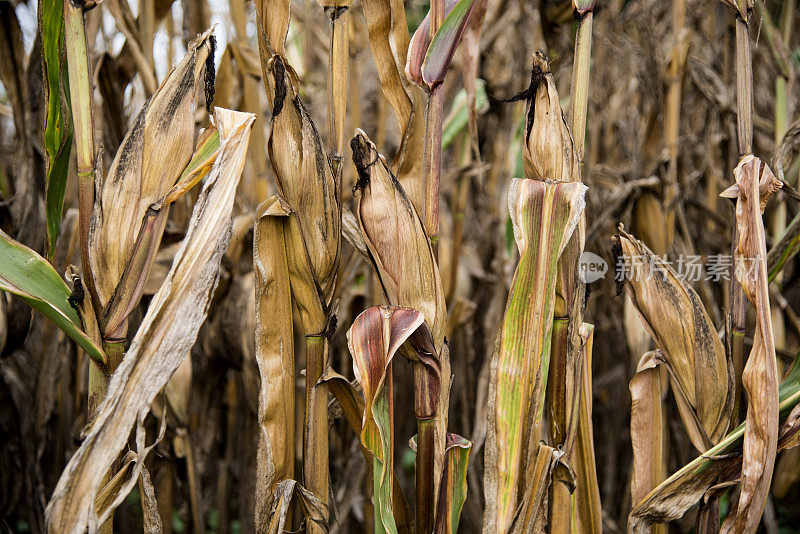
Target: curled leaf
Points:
(760, 377)
(428, 59)
(374, 338)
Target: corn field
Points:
(399, 267)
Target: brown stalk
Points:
(744, 129)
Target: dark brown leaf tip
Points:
(540, 68)
(210, 74)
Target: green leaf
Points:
(28, 275)
(420, 42)
(453, 492)
(458, 117)
(58, 127)
(444, 43)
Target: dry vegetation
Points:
(316, 266)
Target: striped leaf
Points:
(373, 340)
(453, 490)
(544, 217)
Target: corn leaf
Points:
(544, 216)
(352, 404)
(453, 491)
(273, 26)
(700, 371)
(419, 45)
(460, 112)
(756, 183)
(587, 507)
(25, 273)
(374, 338)
(396, 239)
(312, 506)
(304, 176)
(647, 428)
(443, 46)
(389, 42)
(164, 338)
(274, 342)
(57, 126)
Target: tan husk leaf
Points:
(272, 18)
(165, 336)
(150, 515)
(389, 40)
(396, 239)
(313, 508)
(150, 160)
(700, 371)
(647, 428)
(303, 175)
(548, 153)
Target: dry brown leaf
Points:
(150, 160)
(389, 39)
(275, 356)
(647, 429)
(549, 153)
(755, 183)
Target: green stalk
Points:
(80, 89)
(315, 457)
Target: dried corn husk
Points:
(396, 239)
(700, 371)
(148, 164)
(755, 183)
